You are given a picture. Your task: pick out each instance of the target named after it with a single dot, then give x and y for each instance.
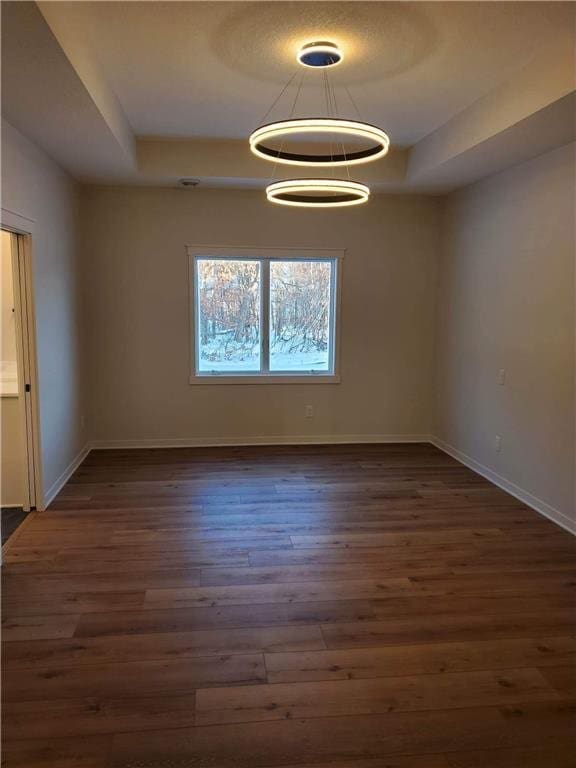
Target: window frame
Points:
(264, 256)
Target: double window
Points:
(264, 315)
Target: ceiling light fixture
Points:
(337, 127)
(322, 54)
(317, 193)
(365, 142)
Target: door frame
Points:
(22, 230)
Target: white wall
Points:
(33, 186)
(136, 265)
(506, 301)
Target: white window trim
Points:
(235, 252)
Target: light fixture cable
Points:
(277, 99)
(337, 115)
(329, 113)
(292, 110)
(354, 104)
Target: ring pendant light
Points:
(336, 126)
(317, 193)
(269, 139)
(319, 55)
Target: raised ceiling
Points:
(179, 85)
(211, 70)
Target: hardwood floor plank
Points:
(334, 611)
(515, 584)
(447, 536)
(86, 752)
(278, 574)
(128, 648)
(562, 677)
(400, 761)
(448, 628)
(534, 757)
(251, 745)
(135, 678)
(126, 542)
(274, 520)
(39, 627)
(361, 589)
(317, 591)
(443, 567)
(333, 698)
(212, 511)
(19, 587)
(495, 548)
(92, 716)
(115, 563)
(523, 564)
(74, 602)
(354, 664)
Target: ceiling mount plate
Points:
(320, 54)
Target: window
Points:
(229, 316)
(263, 315)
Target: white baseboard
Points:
(210, 442)
(58, 484)
(507, 485)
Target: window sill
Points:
(271, 378)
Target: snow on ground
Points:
(249, 361)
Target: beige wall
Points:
(137, 269)
(33, 186)
(12, 457)
(506, 301)
(11, 438)
(7, 317)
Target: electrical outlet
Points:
(309, 411)
(502, 377)
(498, 443)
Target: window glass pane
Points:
(228, 327)
(300, 326)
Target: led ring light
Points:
(268, 141)
(317, 193)
(260, 138)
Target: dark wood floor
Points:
(313, 607)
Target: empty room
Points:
(287, 384)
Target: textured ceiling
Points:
(149, 92)
(211, 69)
